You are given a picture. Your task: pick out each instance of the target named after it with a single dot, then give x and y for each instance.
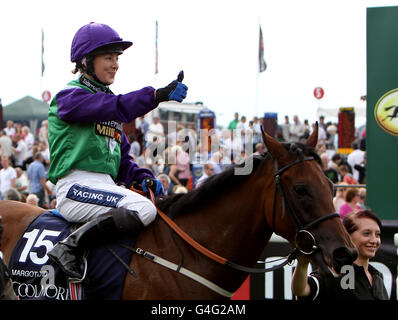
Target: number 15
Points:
(31, 236)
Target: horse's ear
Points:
(274, 147)
(312, 140)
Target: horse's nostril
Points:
(343, 256)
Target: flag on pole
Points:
(262, 64)
(156, 48)
(42, 52)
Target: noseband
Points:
(301, 231)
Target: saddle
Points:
(36, 277)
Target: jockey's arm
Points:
(79, 105)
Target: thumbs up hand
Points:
(180, 76)
(176, 90)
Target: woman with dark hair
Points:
(361, 280)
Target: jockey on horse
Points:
(90, 152)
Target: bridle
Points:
(301, 230)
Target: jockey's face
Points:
(106, 66)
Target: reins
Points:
(208, 253)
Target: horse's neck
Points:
(245, 233)
(233, 225)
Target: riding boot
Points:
(100, 230)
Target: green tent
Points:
(26, 109)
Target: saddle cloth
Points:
(35, 276)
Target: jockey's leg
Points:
(86, 197)
(82, 196)
(116, 223)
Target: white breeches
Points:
(83, 195)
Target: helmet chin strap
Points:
(87, 66)
(98, 80)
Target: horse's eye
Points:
(300, 189)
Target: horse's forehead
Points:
(305, 170)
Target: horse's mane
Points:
(177, 204)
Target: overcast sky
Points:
(307, 44)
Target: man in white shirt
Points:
(155, 130)
(215, 161)
(45, 151)
(43, 131)
(29, 141)
(21, 182)
(5, 145)
(355, 157)
(322, 136)
(207, 172)
(285, 127)
(241, 127)
(8, 176)
(20, 151)
(241, 131)
(297, 129)
(9, 130)
(256, 131)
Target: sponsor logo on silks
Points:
(386, 112)
(110, 129)
(94, 196)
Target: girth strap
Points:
(170, 265)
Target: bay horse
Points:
(232, 215)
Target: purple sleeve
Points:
(80, 105)
(129, 171)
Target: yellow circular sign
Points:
(386, 112)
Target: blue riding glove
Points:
(154, 184)
(176, 90)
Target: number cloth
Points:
(37, 277)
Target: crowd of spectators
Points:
(181, 152)
(181, 157)
(25, 159)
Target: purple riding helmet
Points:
(96, 38)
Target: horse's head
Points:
(303, 210)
